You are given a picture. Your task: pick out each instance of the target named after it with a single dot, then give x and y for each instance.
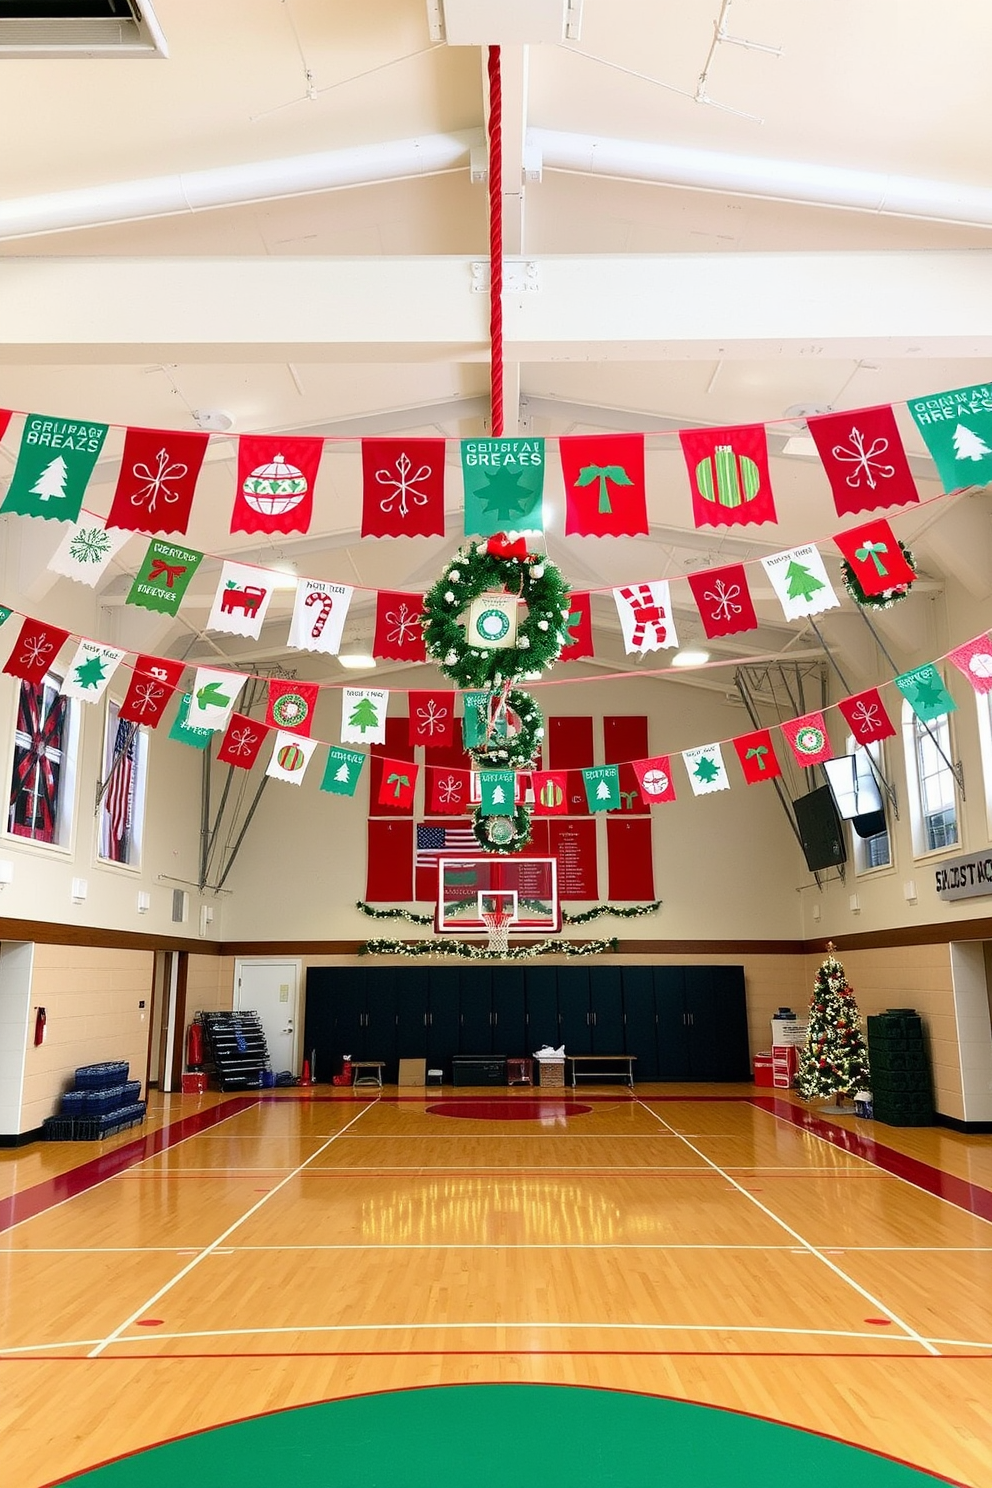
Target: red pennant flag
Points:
(550, 792)
(728, 476)
(808, 739)
(398, 636)
(5, 417)
(242, 740)
(450, 790)
(159, 470)
(654, 778)
(291, 706)
(403, 487)
(974, 659)
(398, 783)
(432, 719)
(724, 600)
(154, 680)
(35, 650)
(276, 477)
(578, 623)
(873, 552)
(757, 756)
(866, 716)
(604, 485)
(863, 456)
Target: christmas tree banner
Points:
(449, 790)
(242, 598)
(578, 628)
(550, 792)
(757, 756)
(363, 715)
(213, 699)
(504, 485)
(974, 661)
(4, 614)
(319, 612)
(645, 612)
(153, 682)
(402, 487)
(164, 576)
(924, 690)
(397, 784)
(35, 650)
(705, 768)
(290, 756)
(342, 771)
(808, 739)
(276, 477)
(863, 456)
(866, 717)
(159, 470)
(54, 465)
(800, 582)
(604, 485)
(957, 428)
(398, 632)
(291, 705)
(602, 787)
(875, 557)
(728, 474)
(90, 670)
(723, 600)
(492, 622)
(242, 742)
(85, 551)
(497, 789)
(432, 718)
(654, 779)
(186, 733)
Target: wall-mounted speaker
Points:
(180, 906)
(820, 830)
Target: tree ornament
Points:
(502, 834)
(888, 597)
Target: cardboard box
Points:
(412, 1072)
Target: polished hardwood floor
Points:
(713, 1244)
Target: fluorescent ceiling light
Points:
(800, 444)
(357, 663)
(689, 658)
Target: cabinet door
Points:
(606, 1003)
(509, 1012)
(640, 1035)
(541, 984)
(442, 1018)
(672, 1025)
(411, 991)
(379, 1040)
(475, 993)
(334, 1017)
(574, 1011)
(716, 1005)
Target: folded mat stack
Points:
(103, 1101)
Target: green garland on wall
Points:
(440, 946)
(629, 912)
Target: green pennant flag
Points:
(497, 789)
(504, 485)
(4, 614)
(342, 771)
(957, 428)
(163, 577)
(602, 784)
(54, 465)
(187, 733)
(474, 717)
(924, 690)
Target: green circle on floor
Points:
(486, 1436)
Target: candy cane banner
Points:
(645, 612)
(319, 613)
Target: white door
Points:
(272, 989)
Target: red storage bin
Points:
(194, 1084)
(763, 1072)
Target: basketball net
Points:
(497, 923)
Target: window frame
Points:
(859, 845)
(63, 841)
(138, 792)
(914, 734)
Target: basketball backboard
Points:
(526, 888)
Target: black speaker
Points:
(869, 823)
(820, 830)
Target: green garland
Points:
(632, 912)
(439, 946)
(502, 834)
(888, 597)
(474, 570)
(516, 751)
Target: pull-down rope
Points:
(495, 243)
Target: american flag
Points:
(117, 801)
(442, 842)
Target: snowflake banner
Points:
(757, 756)
(974, 661)
(159, 471)
(276, 477)
(6, 414)
(449, 791)
(924, 690)
(153, 682)
(54, 465)
(705, 768)
(164, 576)
(504, 485)
(497, 792)
(602, 787)
(808, 739)
(363, 715)
(397, 784)
(578, 625)
(874, 554)
(319, 612)
(213, 698)
(398, 634)
(550, 792)
(342, 771)
(85, 551)
(403, 487)
(645, 612)
(242, 598)
(242, 742)
(183, 732)
(290, 757)
(728, 475)
(35, 650)
(723, 600)
(800, 582)
(866, 717)
(291, 706)
(957, 428)
(432, 719)
(604, 485)
(654, 779)
(863, 456)
(90, 670)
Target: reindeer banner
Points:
(242, 598)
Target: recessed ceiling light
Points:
(690, 658)
(357, 663)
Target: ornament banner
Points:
(290, 756)
(728, 474)
(276, 477)
(654, 779)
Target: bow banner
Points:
(432, 718)
(645, 612)
(363, 715)
(242, 742)
(654, 779)
(158, 475)
(291, 706)
(213, 698)
(54, 465)
(85, 551)
(319, 612)
(242, 598)
(974, 661)
(604, 485)
(729, 477)
(924, 690)
(450, 791)
(35, 650)
(550, 792)
(153, 681)
(800, 582)
(866, 717)
(276, 477)
(863, 456)
(398, 633)
(290, 756)
(163, 578)
(875, 556)
(402, 487)
(342, 771)
(578, 628)
(397, 784)
(808, 739)
(957, 428)
(90, 670)
(723, 600)
(602, 787)
(757, 756)
(706, 770)
(504, 485)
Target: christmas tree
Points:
(834, 1060)
(364, 715)
(51, 481)
(802, 584)
(968, 445)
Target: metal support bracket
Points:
(520, 276)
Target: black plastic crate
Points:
(132, 1092)
(102, 1076)
(117, 1121)
(74, 1102)
(58, 1129)
(99, 1102)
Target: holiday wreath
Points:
(502, 834)
(888, 597)
(512, 751)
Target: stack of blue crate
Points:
(103, 1101)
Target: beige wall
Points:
(209, 984)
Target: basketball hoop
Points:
(497, 923)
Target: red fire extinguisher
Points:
(194, 1046)
(40, 1024)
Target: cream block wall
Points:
(16, 960)
(209, 984)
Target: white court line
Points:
(824, 1260)
(215, 1244)
(501, 1245)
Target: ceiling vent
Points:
(80, 28)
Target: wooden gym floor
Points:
(710, 1244)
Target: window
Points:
(122, 807)
(933, 803)
(42, 780)
(876, 851)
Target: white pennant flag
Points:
(646, 620)
(213, 697)
(319, 615)
(86, 550)
(705, 768)
(291, 753)
(800, 582)
(90, 670)
(241, 600)
(363, 715)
